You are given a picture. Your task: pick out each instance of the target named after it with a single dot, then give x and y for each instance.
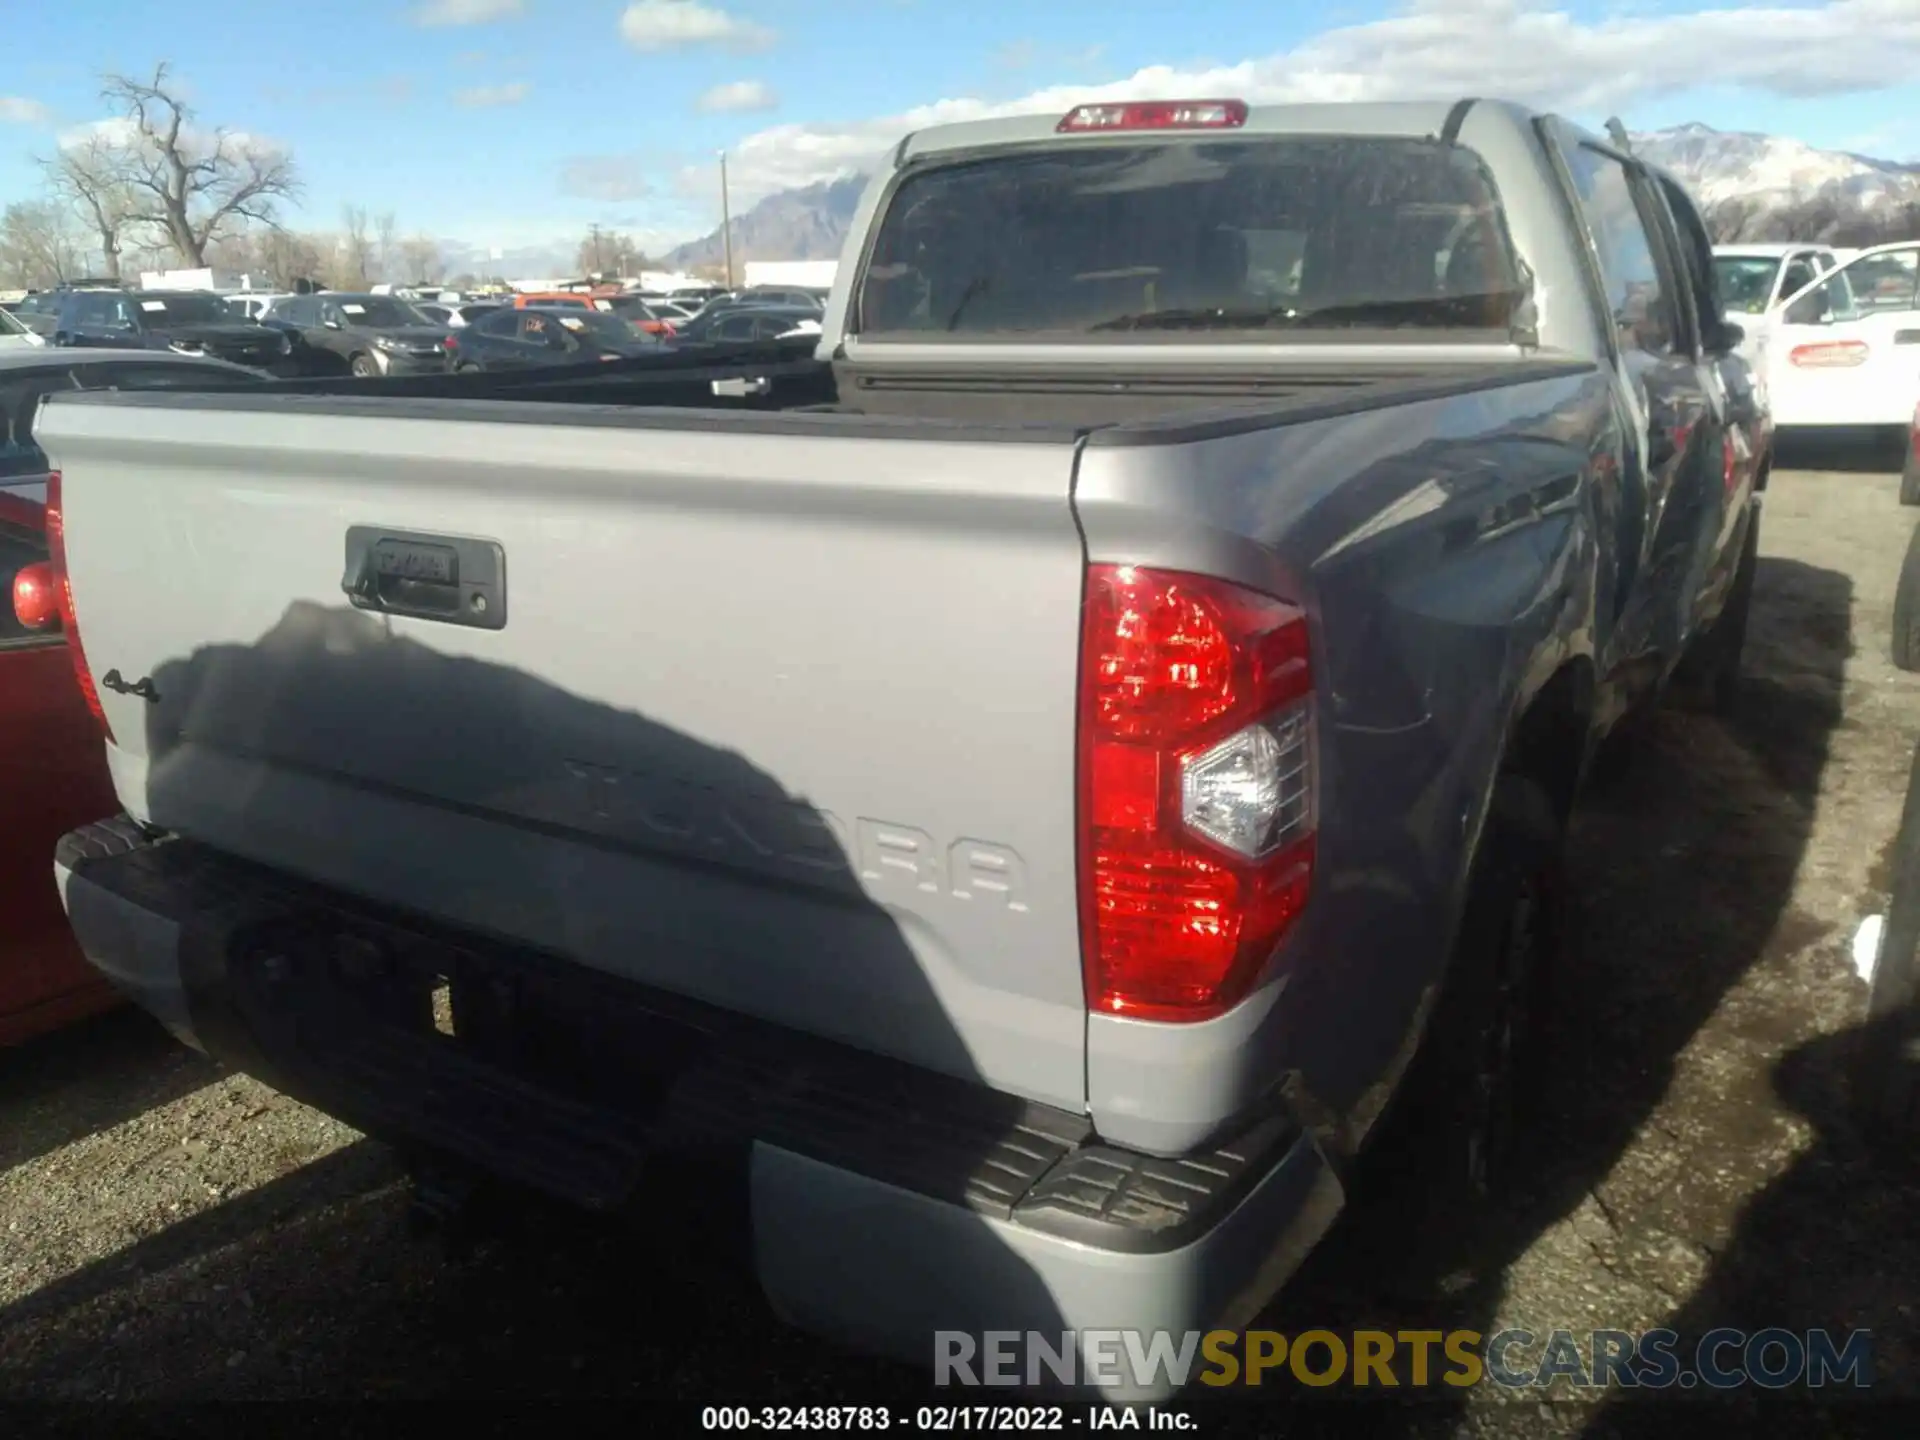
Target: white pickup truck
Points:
(1835, 339)
(1006, 794)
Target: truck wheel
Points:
(1483, 1046)
(1888, 1078)
(362, 365)
(1906, 609)
(1708, 676)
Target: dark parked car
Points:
(37, 312)
(455, 316)
(734, 323)
(40, 309)
(517, 339)
(53, 770)
(360, 334)
(779, 295)
(645, 316)
(188, 322)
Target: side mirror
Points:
(35, 597)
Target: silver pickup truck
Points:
(1004, 796)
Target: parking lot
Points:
(168, 1230)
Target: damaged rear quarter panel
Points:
(1445, 553)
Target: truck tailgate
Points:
(780, 717)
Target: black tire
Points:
(1910, 481)
(362, 365)
(1483, 1052)
(1906, 608)
(1889, 1073)
(1708, 676)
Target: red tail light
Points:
(63, 589)
(36, 596)
(451, 343)
(1156, 115)
(1196, 789)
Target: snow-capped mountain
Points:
(1722, 165)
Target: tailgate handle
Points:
(454, 579)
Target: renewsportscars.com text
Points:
(1773, 1359)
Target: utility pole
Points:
(726, 219)
(593, 233)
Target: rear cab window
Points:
(1251, 234)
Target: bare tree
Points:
(193, 184)
(356, 248)
(1733, 221)
(91, 176)
(286, 257)
(608, 252)
(419, 259)
(387, 245)
(1812, 219)
(39, 244)
(238, 252)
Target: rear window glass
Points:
(1293, 233)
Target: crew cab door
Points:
(1846, 348)
(1671, 507)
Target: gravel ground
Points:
(171, 1231)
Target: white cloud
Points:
(1437, 49)
(482, 97)
(114, 130)
(464, 12)
(738, 97)
(16, 111)
(117, 132)
(651, 25)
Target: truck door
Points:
(1667, 494)
(1846, 346)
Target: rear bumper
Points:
(881, 1203)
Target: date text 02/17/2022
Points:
(942, 1419)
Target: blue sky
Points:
(514, 122)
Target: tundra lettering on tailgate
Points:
(791, 838)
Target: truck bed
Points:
(774, 709)
(1225, 393)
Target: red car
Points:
(53, 775)
(53, 764)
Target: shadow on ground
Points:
(1850, 449)
(106, 1071)
(1680, 865)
